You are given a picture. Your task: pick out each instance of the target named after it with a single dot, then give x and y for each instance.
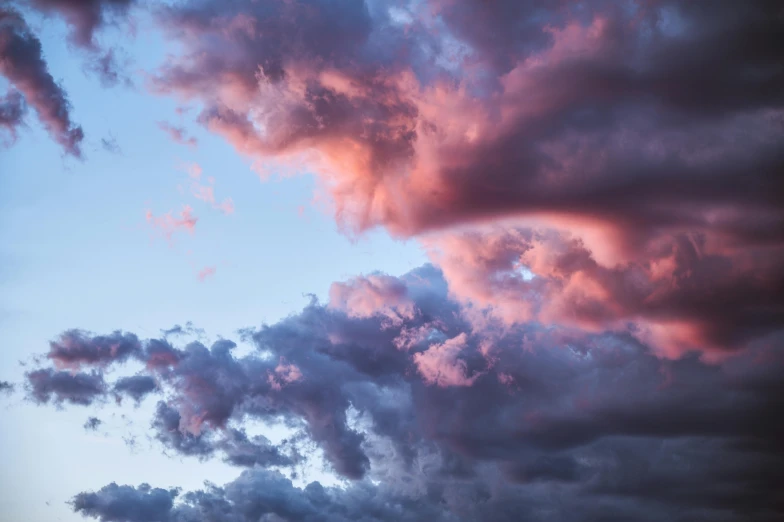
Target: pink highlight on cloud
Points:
(283, 375)
(375, 294)
(440, 364)
(169, 225)
(680, 294)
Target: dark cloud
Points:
(137, 386)
(241, 450)
(92, 424)
(23, 64)
(12, 111)
(453, 419)
(115, 503)
(6, 387)
(85, 16)
(77, 348)
(76, 388)
(175, 436)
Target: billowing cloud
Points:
(429, 117)
(22, 63)
(443, 112)
(434, 417)
(684, 293)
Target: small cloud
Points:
(6, 387)
(92, 424)
(169, 224)
(110, 145)
(178, 134)
(204, 273)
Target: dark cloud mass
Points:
(433, 416)
(22, 63)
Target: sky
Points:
(360, 260)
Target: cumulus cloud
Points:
(432, 417)
(22, 63)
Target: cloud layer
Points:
(432, 416)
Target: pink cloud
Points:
(206, 193)
(168, 224)
(206, 272)
(440, 364)
(375, 294)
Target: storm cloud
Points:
(434, 411)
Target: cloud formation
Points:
(12, 112)
(84, 16)
(177, 134)
(22, 63)
(432, 417)
(443, 112)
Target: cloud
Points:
(437, 116)
(137, 386)
(85, 17)
(433, 417)
(170, 225)
(206, 193)
(205, 273)
(568, 111)
(62, 386)
(177, 134)
(108, 69)
(22, 63)
(6, 387)
(77, 348)
(684, 293)
(12, 111)
(115, 503)
(92, 424)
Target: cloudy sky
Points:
(365, 260)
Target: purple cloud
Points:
(22, 63)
